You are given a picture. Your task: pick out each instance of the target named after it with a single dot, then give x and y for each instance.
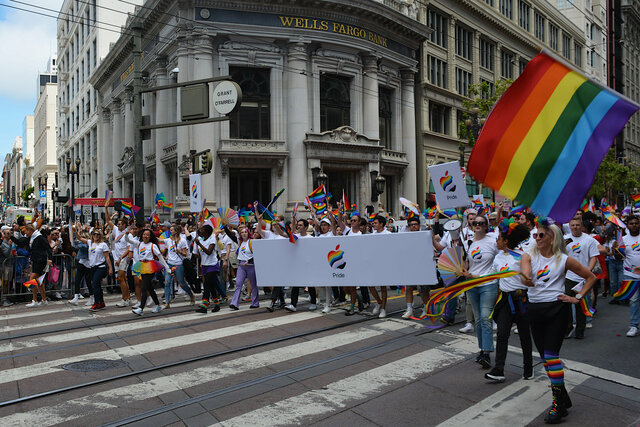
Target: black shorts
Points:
(39, 268)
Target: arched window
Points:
(252, 119)
(335, 102)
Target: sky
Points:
(27, 43)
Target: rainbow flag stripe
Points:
(586, 310)
(544, 140)
(627, 288)
(636, 200)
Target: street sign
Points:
(87, 211)
(43, 193)
(227, 97)
(43, 200)
(182, 198)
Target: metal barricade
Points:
(16, 271)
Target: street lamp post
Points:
(54, 196)
(71, 171)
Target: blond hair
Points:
(557, 246)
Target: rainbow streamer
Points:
(439, 299)
(636, 200)
(586, 310)
(146, 267)
(627, 288)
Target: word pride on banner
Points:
(195, 192)
(451, 190)
(545, 139)
(347, 261)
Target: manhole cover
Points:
(94, 365)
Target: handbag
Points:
(53, 275)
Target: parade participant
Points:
(584, 249)
(205, 246)
(379, 227)
(83, 266)
(482, 250)
(413, 224)
(246, 270)
(176, 248)
(326, 228)
(134, 242)
(615, 261)
(528, 220)
(276, 232)
(120, 252)
(148, 249)
(543, 270)
(302, 225)
(632, 270)
(511, 308)
(100, 265)
(41, 258)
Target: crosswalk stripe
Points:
(51, 366)
(338, 395)
(20, 311)
(113, 398)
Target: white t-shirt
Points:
(582, 249)
(548, 277)
(306, 236)
(146, 251)
(480, 255)
(327, 234)
(133, 247)
(270, 235)
(120, 245)
(97, 253)
(173, 257)
(631, 255)
(384, 231)
(528, 244)
(204, 258)
(226, 240)
(508, 261)
(245, 252)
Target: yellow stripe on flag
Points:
(538, 134)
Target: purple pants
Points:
(245, 271)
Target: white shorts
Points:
(124, 264)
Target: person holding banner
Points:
(481, 252)
(302, 225)
(543, 269)
(326, 228)
(379, 227)
(413, 224)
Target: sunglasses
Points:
(96, 234)
(539, 235)
(478, 223)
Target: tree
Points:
(480, 100)
(613, 178)
(26, 193)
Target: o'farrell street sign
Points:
(227, 97)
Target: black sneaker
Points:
(350, 312)
(201, 309)
(478, 357)
(495, 375)
(233, 307)
(272, 306)
(215, 308)
(528, 372)
(485, 361)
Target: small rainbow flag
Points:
(584, 206)
(346, 206)
(517, 210)
(627, 288)
(586, 310)
(295, 211)
(267, 216)
(610, 216)
(206, 214)
(167, 206)
(166, 234)
(292, 237)
(545, 138)
(154, 218)
(34, 282)
(636, 200)
(108, 195)
(372, 216)
(319, 195)
(320, 208)
(477, 203)
(275, 197)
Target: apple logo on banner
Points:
(446, 182)
(336, 259)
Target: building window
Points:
(553, 37)
(88, 63)
(252, 119)
(463, 81)
(95, 54)
(487, 54)
(540, 27)
(506, 61)
(437, 71)
(385, 113)
(489, 2)
(487, 92)
(246, 185)
(439, 118)
(335, 102)
(439, 24)
(94, 138)
(464, 42)
(506, 8)
(523, 15)
(566, 46)
(577, 54)
(521, 66)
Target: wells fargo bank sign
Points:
(333, 27)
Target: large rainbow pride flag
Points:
(545, 138)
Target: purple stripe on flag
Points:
(583, 175)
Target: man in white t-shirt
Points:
(630, 267)
(584, 249)
(379, 308)
(301, 226)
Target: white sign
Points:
(227, 96)
(43, 193)
(451, 190)
(347, 261)
(477, 201)
(43, 200)
(182, 198)
(195, 192)
(87, 211)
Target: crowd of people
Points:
(557, 266)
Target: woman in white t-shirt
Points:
(480, 254)
(543, 269)
(246, 270)
(100, 265)
(205, 246)
(176, 248)
(146, 267)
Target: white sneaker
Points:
(468, 327)
(312, 307)
(326, 309)
(149, 302)
(588, 325)
(290, 307)
(74, 301)
(495, 326)
(376, 309)
(137, 311)
(58, 295)
(44, 302)
(136, 305)
(122, 303)
(33, 304)
(158, 309)
(89, 302)
(423, 312)
(80, 296)
(383, 313)
(633, 331)
(515, 331)
(407, 314)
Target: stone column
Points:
(409, 180)
(105, 165)
(117, 145)
(127, 109)
(183, 133)
(370, 100)
(162, 135)
(297, 120)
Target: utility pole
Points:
(138, 186)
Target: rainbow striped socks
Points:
(553, 366)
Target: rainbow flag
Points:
(545, 138)
(586, 310)
(346, 206)
(635, 198)
(154, 218)
(372, 216)
(292, 237)
(319, 195)
(477, 203)
(129, 210)
(166, 234)
(34, 282)
(584, 206)
(517, 210)
(108, 195)
(206, 214)
(320, 208)
(267, 216)
(295, 211)
(610, 216)
(627, 289)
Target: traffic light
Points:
(206, 162)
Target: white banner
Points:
(398, 259)
(195, 192)
(451, 190)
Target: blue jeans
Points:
(97, 274)
(615, 274)
(483, 299)
(634, 306)
(168, 282)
